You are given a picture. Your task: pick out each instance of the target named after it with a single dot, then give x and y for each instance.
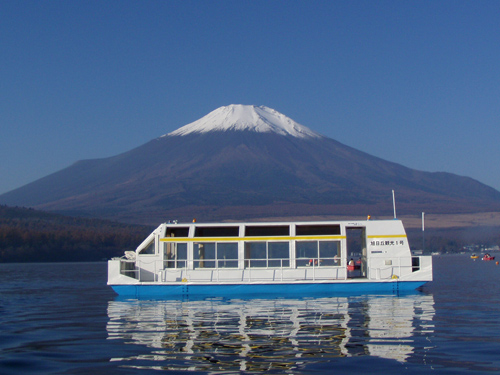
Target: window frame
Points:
(151, 244)
(215, 261)
(317, 260)
(264, 262)
(175, 260)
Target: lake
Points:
(61, 318)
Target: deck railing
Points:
(281, 272)
(311, 271)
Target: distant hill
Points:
(28, 235)
(243, 162)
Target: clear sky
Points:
(413, 82)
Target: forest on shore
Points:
(28, 235)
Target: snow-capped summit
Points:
(247, 117)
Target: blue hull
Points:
(261, 290)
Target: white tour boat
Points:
(282, 258)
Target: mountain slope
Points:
(225, 166)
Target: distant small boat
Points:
(474, 256)
(488, 257)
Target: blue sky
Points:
(413, 82)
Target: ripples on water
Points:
(62, 318)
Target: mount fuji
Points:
(247, 117)
(244, 162)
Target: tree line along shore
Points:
(28, 235)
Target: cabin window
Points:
(149, 249)
(318, 230)
(317, 253)
(215, 255)
(329, 253)
(217, 231)
(278, 254)
(255, 254)
(306, 252)
(175, 255)
(227, 255)
(267, 254)
(204, 255)
(265, 231)
(177, 232)
(415, 264)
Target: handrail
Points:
(249, 273)
(248, 262)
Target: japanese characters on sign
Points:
(387, 242)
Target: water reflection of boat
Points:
(265, 334)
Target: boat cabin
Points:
(279, 252)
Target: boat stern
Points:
(121, 271)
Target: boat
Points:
(488, 257)
(295, 258)
(474, 256)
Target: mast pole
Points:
(394, 203)
(423, 232)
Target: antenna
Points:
(423, 231)
(394, 203)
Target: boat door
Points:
(356, 250)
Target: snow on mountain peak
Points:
(247, 117)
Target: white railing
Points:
(155, 271)
(281, 272)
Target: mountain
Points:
(241, 162)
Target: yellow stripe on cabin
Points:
(234, 239)
(275, 238)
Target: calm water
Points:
(63, 319)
